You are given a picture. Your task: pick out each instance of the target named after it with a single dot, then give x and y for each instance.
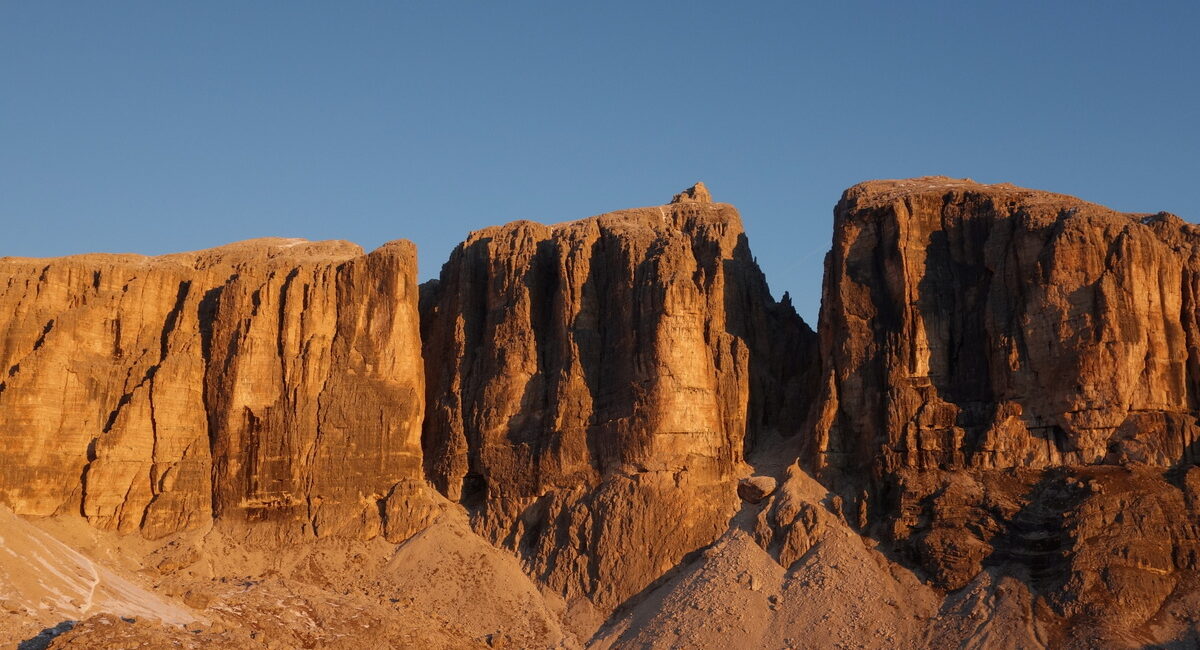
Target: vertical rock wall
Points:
(592, 386)
(1009, 380)
(966, 325)
(268, 381)
(1005, 386)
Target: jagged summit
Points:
(688, 211)
(697, 193)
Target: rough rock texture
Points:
(830, 589)
(1010, 380)
(267, 381)
(1000, 419)
(989, 326)
(592, 387)
(755, 488)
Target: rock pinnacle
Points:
(697, 193)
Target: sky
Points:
(156, 127)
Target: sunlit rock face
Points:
(993, 436)
(594, 385)
(1009, 379)
(990, 326)
(271, 381)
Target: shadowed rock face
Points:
(1010, 379)
(990, 326)
(273, 381)
(593, 386)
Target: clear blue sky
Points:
(164, 126)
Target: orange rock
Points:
(755, 488)
(1002, 397)
(270, 380)
(989, 353)
(593, 385)
(968, 325)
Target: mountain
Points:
(1009, 383)
(608, 433)
(593, 387)
(271, 386)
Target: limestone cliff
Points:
(593, 386)
(966, 325)
(268, 381)
(1009, 380)
(1003, 395)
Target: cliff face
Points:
(1004, 391)
(273, 381)
(1010, 382)
(593, 386)
(966, 325)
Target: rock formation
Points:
(593, 386)
(992, 441)
(269, 381)
(755, 488)
(990, 326)
(1015, 372)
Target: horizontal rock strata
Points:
(268, 381)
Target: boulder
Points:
(755, 488)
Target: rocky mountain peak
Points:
(697, 193)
